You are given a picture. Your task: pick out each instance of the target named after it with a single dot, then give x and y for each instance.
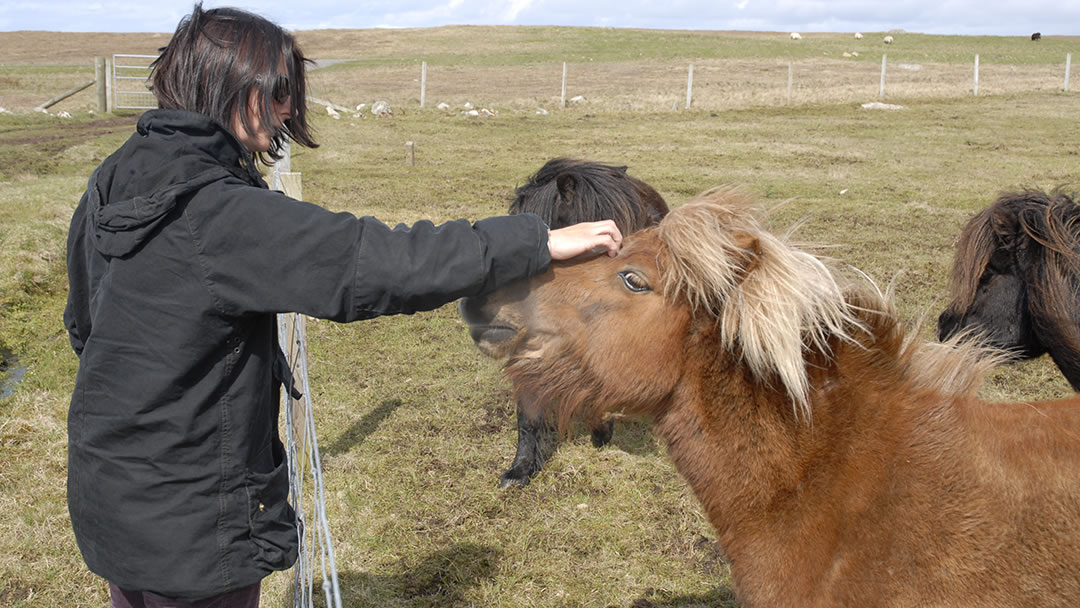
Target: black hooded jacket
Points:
(179, 257)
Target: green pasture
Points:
(414, 424)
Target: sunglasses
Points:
(282, 91)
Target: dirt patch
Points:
(78, 131)
(35, 149)
(15, 593)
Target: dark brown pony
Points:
(841, 462)
(563, 192)
(1016, 279)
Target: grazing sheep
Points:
(858, 35)
(796, 36)
(888, 39)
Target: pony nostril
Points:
(471, 309)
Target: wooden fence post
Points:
(1068, 65)
(975, 85)
(291, 186)
(563, 102)
(790, 81)
(109, 85)
(295, 323)
(423, 82)
(64, 95)
(881, 88)
(100, 76)
(690, 86)
(295, 331)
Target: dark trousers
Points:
(246, 597)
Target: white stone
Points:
(381, 109)
(877, 105)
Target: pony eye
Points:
(633, 281)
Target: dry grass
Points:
(414, 424)
(613, 69)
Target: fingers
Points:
(571, 241)
(616, 239)
(611, 238)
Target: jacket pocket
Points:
(272, 520)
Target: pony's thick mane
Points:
(568, 191)
(774, 302)
(771, 299)
(1050, 221)
(955, 367)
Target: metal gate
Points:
(130, 80)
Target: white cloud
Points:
(1000, 17)
(511, 14)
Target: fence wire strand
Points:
(313, 530)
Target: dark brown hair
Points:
(217, 57)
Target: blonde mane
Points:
(771, 300)
(774, 302)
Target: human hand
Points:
(576, 239)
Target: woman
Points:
(179, 257)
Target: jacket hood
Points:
(171, 155)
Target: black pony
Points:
(1016, 279)
(568, 191)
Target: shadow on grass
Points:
(720, 597)
(359, 431)
(635, 437)
(440, 580)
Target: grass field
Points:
(414, 424)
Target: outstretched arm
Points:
(577, 239)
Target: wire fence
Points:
(646, 85)
(306, 487)
(713, 84)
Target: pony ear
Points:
(1005, 225)
(567, 185)
(750, 252)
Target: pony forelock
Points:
(1048, 220)
(975, 243)
(771, 300)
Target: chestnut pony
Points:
(563, 192)
(1016, 278)
(841, 461)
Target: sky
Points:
(965, 17)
